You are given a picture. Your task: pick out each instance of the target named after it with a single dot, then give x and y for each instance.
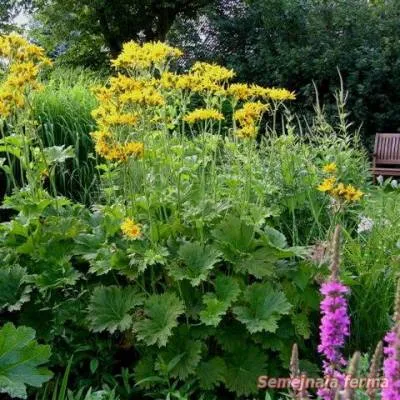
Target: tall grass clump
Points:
(62, 110)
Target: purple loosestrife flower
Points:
(334, 329)
(335, 324)
(391, 366)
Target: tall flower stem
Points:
(335, 324)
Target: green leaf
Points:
(144, 372)
(243, 369)
(211, 373)
(263, 307)
(217, 304)
(275, 237)
(182, 353)
(161, 313)
(235, 237)
(198, 261)
(302, 325)
(232, 336)
(260, 263)
(58, 154)
(20, 360)
(13, 290)
(110, 308)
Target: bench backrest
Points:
(387, 148)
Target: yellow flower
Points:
(247, 132)
(144, 97)
(202, 114)
(135, 56)
(330, 168)
(168, 80)
(212, 72)
(352, 194)
(327, 185)
(130, 229)
(120, 119)
(279, 94)
(250, 113)
(240, 91)
(133, 149)
(122, 83)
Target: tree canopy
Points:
(88, 29)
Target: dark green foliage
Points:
(88, 32)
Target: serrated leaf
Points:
(243, 369)
(235, 237)
(260, 263)
(182, 354)
(110, 308)
(214, 310)
(161, 313)
(217, 304)
(13, 290)
(198, 261)
(211, 372)
(263, 307)
(21, 358)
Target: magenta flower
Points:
(334, 329)
(391, 367)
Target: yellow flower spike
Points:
(327, 185)
(130, 229)
(330, 168)
(203, 114)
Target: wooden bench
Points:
(386, 156)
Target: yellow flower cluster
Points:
(212, 72)
(134, 56)
(147, 94)
(330, 168)
(279, 94)
(249, 117)
(107, 147)
(203, 114)
(202, 77)
(130, 229)
(121, 106)
(22, 63)
(242, 91)
(339, 190)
